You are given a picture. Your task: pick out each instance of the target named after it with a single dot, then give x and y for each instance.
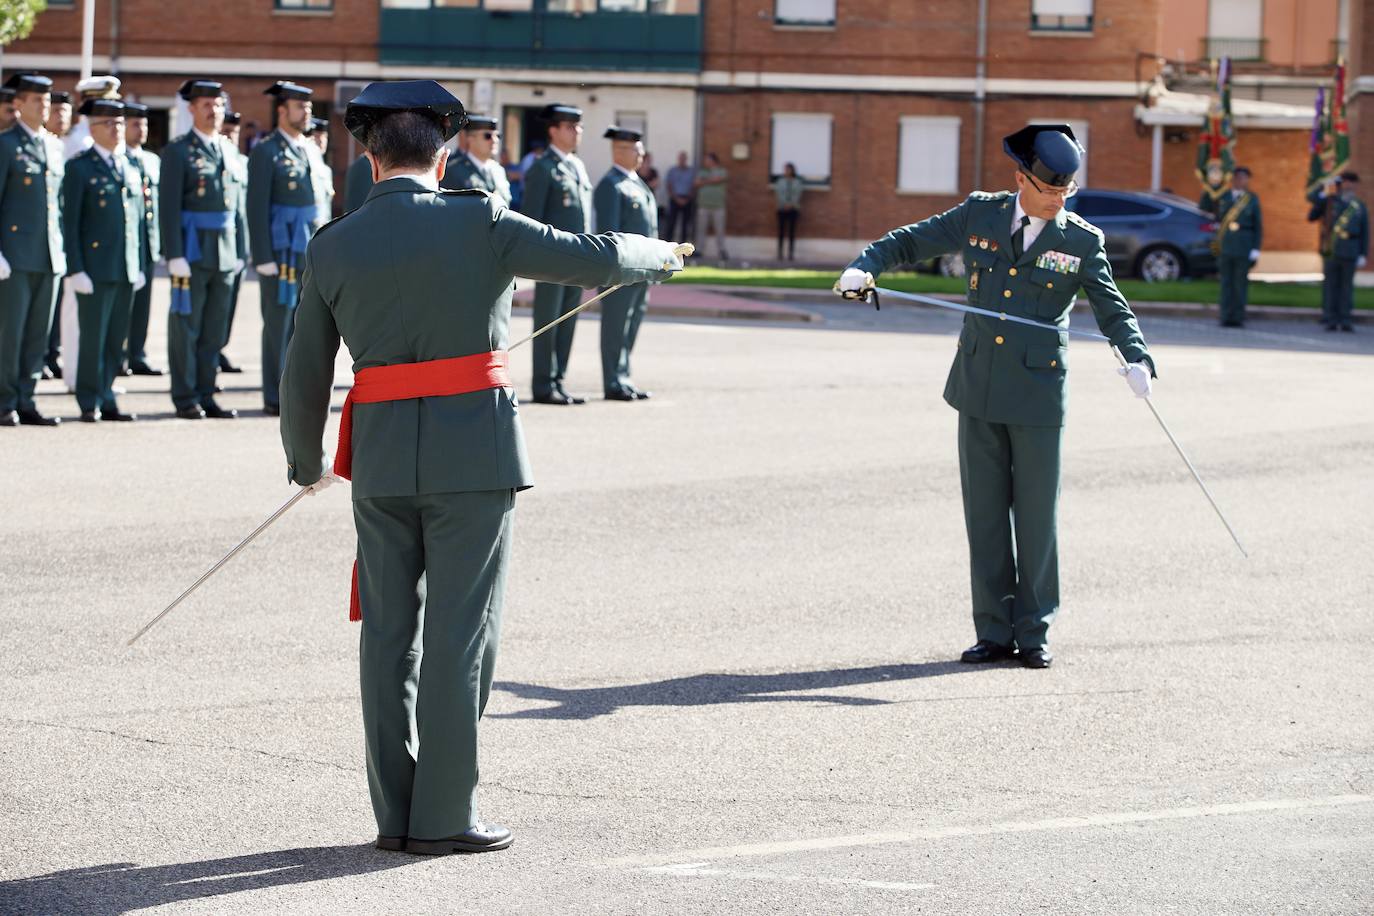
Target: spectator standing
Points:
(788, 188)
(682, 197)
(710, 185)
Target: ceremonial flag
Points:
(1216, 148)
(1330, 144)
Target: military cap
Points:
(1048, 152)
(481, 122)
(135, 110)
(200, 89)
(233, 117)
(377, 100)
(622, 133)
(1350, 176)
(28, 82)
(99, 87)
(285, 89)
(61, 98)
(316, 125)
(556, 112)
(6, 94)
(102, 108)
(1241, 170)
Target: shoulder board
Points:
(989, 195)
(1074, 219)
(336, 219)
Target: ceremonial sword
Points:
(683, 250)
(863, 295)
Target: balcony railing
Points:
(1238, 49)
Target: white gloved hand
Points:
(854, 280)
(4, 268)
(141, 282)
(327, 479)
(237, 265)
(1254, 255)
(1358, 264)
(178, 267)
(1137, 375)
(266, 270)
(81, 283)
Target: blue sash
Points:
(193, 222)
(290, 235)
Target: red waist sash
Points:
(403, 382)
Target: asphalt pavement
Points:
(728, 679)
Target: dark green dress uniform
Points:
(149, 167)
(357, 183)
(31, 170)
(1008, 382)
(465, 172)
(557, 192)
(1347, 242)
(624, 203)
(434, 478)
(104, 228)
(1240, 230)
(202, 221)
(283, 214)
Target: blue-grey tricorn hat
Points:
(285, 89)
(1048, 152)
(615, 132)
(377, 100)
(28, 82)
(135, 110)
(102, 108)
(200, 89)
(552, 114)
(481, 122)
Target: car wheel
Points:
(1159, 265)
(951, 265)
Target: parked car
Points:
(1152, 235)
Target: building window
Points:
(457, 4)
(928, 155)
(804, 12)
(804, 141)
(405, 4)
(1235, 28)
(61, 4)
(1061, 15)
(1080, 133)
(623, 6)
(507, 6)
(573, 6)
(675, 7)
(324, 5)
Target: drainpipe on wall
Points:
(1157, 158)
(980, 85)
(114, 37)
(87, 38)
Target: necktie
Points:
(1018, 238)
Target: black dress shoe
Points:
(216, 412)
(391, 843)
(481, 838)
(34, 418)
(985, 650)
(56, 370)
(115, 415)
(619, 394)
(226, 366)
(1332, 327)
(191, 413)
(1348, 327)
(271, 410)
(553, 397)
(572, 398)
(1037, 658)
(219, 389)
(90, 416)
(47, 374)
(9, 418)
(144, 369)
(125, 370)
(642, 395)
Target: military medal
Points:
(973, 280)
(983, 243)
(1235, 227)
(973, 241)
(992, 245)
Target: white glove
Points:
(672, 261)
(178, 267)
(1358, 264)
(238, 266)
(4, 268)
(1254, 255)
(266, 270)
(81, 283)
(854, 280)
(1137, 375)
(327, 479)
(141, 282)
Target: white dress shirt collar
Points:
(1037, 223)
(211, 142)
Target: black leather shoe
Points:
(1037, 658)
(216, 412)
(271, 410)
(1348, 327)
(34, 418)
(47, 374)
(226, 366)
(90, 416)
(1332, 327)
(125, 370)
(219, 389)
(9, 418)
(190, 413)
(985, 650)
(55, 369)
(619, 394)
(144, 369)
(553, 397)
(641, 395)
(115, 415)
(481, 838)
(391, 843)
(572, 398)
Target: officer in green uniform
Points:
(624, 203)
(103, 227)
(233, 126)
(478, 165)
(1025, 255)
(1347, 250)
(357, 183)
(436, 462)
(31, 255)
(204, 240)
(323, 176)
(557, 192)
(149, 168)
(1240, 234)
(282, 216)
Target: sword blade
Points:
(989, 313)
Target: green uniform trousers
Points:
(103, 317)
(194, 340)
(233, 310)
(135, 354)
(1338, 291)
(1010, 478)
(621, 314)
(551, 350)
(278, 322)
(1234, 274)
(27, 299)
(431, 578)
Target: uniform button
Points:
(95, 244)
(14, 228)
(1049, 286)
(1006, 294)
(1012, 271)
(998, 340)
(1054, 363)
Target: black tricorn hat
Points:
(233, 117)
(481, 122)
(377, 100)
(285, 89)
(1048, 152)
(28, 82)
(200, 89)
(316, 125)
(135, 110)
(622, 133)
(106, 108)
(61, 98)
(552, 114)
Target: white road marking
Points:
(815, 844)
(699, 870)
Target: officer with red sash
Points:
(431, 439)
